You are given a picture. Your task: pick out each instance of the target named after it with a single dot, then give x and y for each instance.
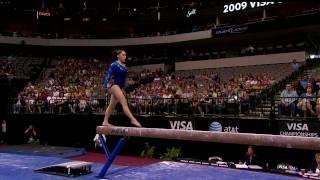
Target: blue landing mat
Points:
(16, 167)
(38, 150)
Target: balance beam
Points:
(309, 143)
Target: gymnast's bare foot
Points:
(107, 124)
(97, 141)
(135, 123)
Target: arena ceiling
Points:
(104, 17)
(114, 8)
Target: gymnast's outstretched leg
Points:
(116, 91)
(109, 110)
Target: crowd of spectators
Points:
(301, 98)
(201, 93)
(73, 85)
(148, 56)
(7, 66)
(21, 67)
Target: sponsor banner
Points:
(245, 28)
(231, 30)
(240, 6)
(224, 126)
(298, 128)
(181, 123)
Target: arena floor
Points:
(17, 166)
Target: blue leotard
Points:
(118, 73)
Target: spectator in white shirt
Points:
(17, 105)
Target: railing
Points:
(281, 107)
(18, 106)
(185, 106)
(231, 106)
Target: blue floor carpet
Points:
(39, 150)
(17, 167)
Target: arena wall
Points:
(242, 61)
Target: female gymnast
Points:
(114, 82)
